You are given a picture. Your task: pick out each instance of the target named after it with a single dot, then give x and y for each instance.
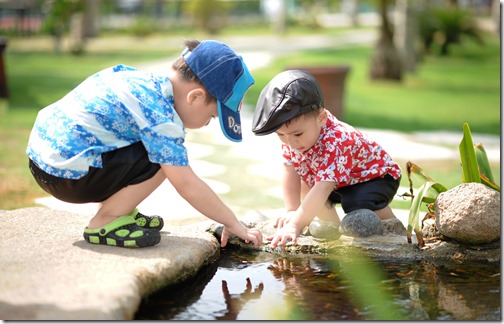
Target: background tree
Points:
(90, 27)
(445, 26)
(406, 33)
(386, 63)
(59, 14)
(208, 14)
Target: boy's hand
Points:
(247, 234)
(283, 220)
(289, 232)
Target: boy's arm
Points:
(197, 193)
(291, 185)
(310, 207)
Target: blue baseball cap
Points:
(226, 78)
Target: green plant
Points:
(475, 168)
(447, 26)
(209, 14)
(143, 26)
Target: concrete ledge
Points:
(50, 273)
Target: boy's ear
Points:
(322, 117)
(195, 95)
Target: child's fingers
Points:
(269, 238)
(255, 236)
(224, 238)
(283, 242)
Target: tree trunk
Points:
(351, 8)
(496, 15)
(406, 34)
(386, 61)
(90, 26)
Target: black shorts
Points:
(374, 194)
(120, 168)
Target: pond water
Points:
(272, 286)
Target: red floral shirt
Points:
(342, 155)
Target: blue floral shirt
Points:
(113, 108)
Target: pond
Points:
(286, 286)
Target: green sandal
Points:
(123, 232)
(151, 222)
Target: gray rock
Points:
(469, 213)
(324, 229)
(361, 223)
(393, 226)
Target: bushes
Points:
(446, 26)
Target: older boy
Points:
(120, 133)
(326, 161)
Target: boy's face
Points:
(196, 112)
(303, 132)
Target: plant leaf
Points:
(428, 193)
(413, 168)
(470, 171)
(483, 164)
(489, 183)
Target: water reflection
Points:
(450, 291)
(266, 286)
(235, 302)
(308, 281)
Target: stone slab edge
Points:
(48, 271)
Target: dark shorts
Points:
(122, 167)
(374, 194)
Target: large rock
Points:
(361, 223)
(50, 273)
(469, 213)
(324, 229)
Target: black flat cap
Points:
(289, 94)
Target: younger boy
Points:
(120, 133)
(326, 160)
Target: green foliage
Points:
(470, 171)
(207, 14)
(427, 193)
(143, 26)
(447, 26)
(59, 15)
(475, 165)
(474, 169)
(484, 165)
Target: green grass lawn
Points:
(442, 95)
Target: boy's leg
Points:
(374, 195)
(126, 178)
(385, 213)
(328, 213)
(125, 200)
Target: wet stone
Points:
(361, 223)
(393, 226)
(324, 229)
